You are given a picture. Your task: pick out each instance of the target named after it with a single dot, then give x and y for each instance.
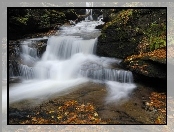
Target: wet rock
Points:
(41, 47)
(13, 68)
(14, 49)
(17, 115)
(148, 68)
(14, 79)
(99, 26)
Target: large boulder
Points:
(126, 29)
(138, 36)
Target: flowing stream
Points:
(69, 61)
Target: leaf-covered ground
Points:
(69, 112)
(87, 106)
(154, 55)
(157, 102)
(151, 64)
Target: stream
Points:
(69, 60)
(70, 69)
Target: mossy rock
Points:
(121, 36)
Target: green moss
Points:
(157, 42)
(120, 18)
(132, 32)
(157, 35)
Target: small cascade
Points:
(69, 60)
(109, 75)
(28, 53)
(89, 4)
(14, 52)
(26, 50)
(102, 71)
(11, 73)
(118, 75)
(89, 18)
(64, 47)
(13, 69)
(28, 57)
(26, 72)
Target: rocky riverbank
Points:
(138, 36)
(87, 105)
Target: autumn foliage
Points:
(158, 102)
(71, 112)
(159, 53)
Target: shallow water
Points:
(127, 110)
(69, 60)
(70, 70)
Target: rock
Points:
(151, 64)
(99, 26)
(126, 29)
(41, 47)
(134, 35)
(14, 80)
(148, 68)
(14, 68)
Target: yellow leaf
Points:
(66, 113)
(59, 117)
(51, 111)
(95, 114)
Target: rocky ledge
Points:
(151, 64)
(138, 36)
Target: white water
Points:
(69, 61)
(89, 4)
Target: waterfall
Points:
(109, 74)
(89, 4)
(69, 60)
(28, 57)
(64, 47)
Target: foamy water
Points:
(69, 60)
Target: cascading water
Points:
(69, 60)
(28, 59)
(89, 4)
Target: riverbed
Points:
(69, 70)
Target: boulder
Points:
(138, 36)
(121, 36)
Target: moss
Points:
(133, 31)
(121, 18)
(157, 35)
